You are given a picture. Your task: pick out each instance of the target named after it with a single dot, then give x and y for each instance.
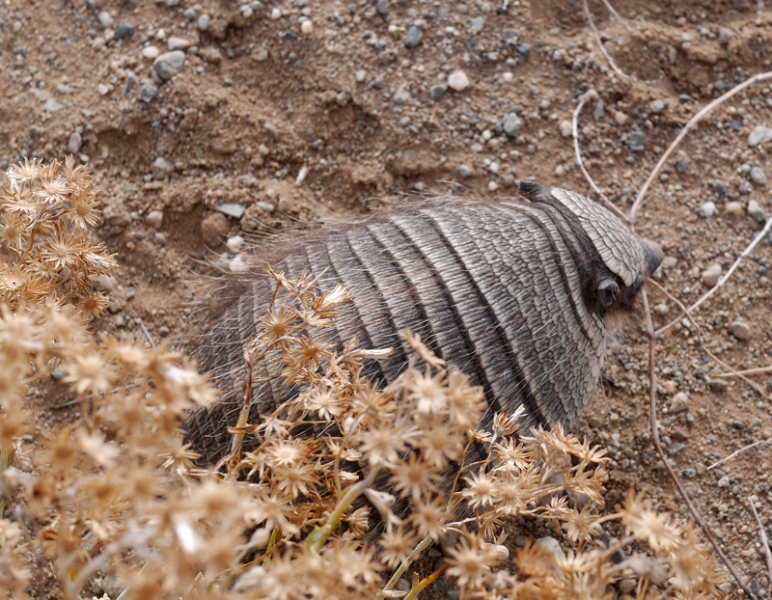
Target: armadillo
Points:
(514, 294)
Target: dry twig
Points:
(687, 128)
(590, 94)
(723, 279)
(763, 536)
(740, 451)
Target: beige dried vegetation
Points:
(339, 493)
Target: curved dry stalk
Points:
(763, 536)
(740, 451)
(687, 128)
(612, 64)
(590, 94)
(663, 456)
(723, 279)
(614, 12)
(422, 545)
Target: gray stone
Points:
(636, 141)
(413, 37)
(657, 106)
(711, 275)
(148, 91)
(130, 83)
(477, 25)
(758, 176)
(566, 128)
(438, 91)
(232, 209)
(682, 161)
(169, 64)
(203, 22)
(464, 171)
(679, 403)
(74, 143)
(124, 30)
(740, 330)
(382, 7)
(161, 166)
(759, 135)
(512, 124)
(178, 43)
(105, 19)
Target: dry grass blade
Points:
(762, 537)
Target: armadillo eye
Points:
(607, 291)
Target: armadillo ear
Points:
(620, 251)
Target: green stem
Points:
(317, 538)
(270, 547)
(423, 545)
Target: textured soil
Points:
(261, 99)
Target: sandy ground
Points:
(265, 123)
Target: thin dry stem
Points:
(683, 133)
(763, 538)
(740, 451)
(723, 279)
(590, 94)
(663, 456)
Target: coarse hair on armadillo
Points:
(514, 294)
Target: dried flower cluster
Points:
(338, 493)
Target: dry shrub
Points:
(341, 488)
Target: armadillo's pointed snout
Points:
(654, 255)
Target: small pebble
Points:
(758, 176)
(679, 434)
(620, 118)
(124, 30)
(413, 37)
(161, 166)
(276, 14)
(657, 106)
(477, 25)
(382, 8)
(707, 209)
(512, 124)
(636, 141)
(566, 128)
(203, 22)
(74, 143)
(759, 135)
(169, 64)
(458, 81)
(232, 209)
(178, 43)
(148, 91)
(103, 89)
(679, 403)
(464, 171)
(154, 218)
(740, 330)
(734, 208)
(711, 275)
(755, 212)
(438, 91)
(682, 161)
(307, 27)
(150, 52)
(105, 19)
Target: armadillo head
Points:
(627, 260)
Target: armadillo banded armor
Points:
(512, 294)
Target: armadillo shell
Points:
(493, 289)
